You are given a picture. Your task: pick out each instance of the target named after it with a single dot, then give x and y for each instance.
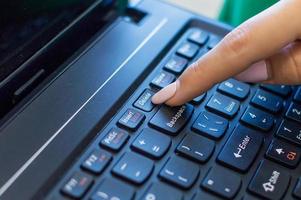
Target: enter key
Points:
(241, 148)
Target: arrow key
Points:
(284, 153)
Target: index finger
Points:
(254, 40)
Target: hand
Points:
(263, 49)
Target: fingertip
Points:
(165, 94)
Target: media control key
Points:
(133, 167)
(161, 191)
(223, 105)
(111, 189)
(171, 119)
(152, 143)
(222, 182)
(241, 148)
(270, 181)
(284, 153)
(180, 172)
(210, 125)
(131, 119)
(196, 147)
(144, 101)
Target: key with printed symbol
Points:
(222, 182)
(282, 90)
(161, 191)
(77, 185)
(111, 189)
(128, 169)
(131, 119)
(234, 88)
(284, 153)
(241, 148)
(198, 36)
(176, 64)
(175, 172)
(294, 112)
(152, 143)
(258, 119)
(163, 79)
(188, 50)
(267, 101)
(223, 105)
(97, 161)
(210, 125)
(270, 181)
(290, 131)
(196, 147)
(144, 101)
(114, 139)
(297, 96)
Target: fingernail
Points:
(255, 73)
(165, 94)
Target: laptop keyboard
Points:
(237, 141)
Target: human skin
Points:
(266, 48)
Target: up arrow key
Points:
(241, 149)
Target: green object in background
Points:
(235, 12)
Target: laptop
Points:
(77, 121)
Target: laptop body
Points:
(82, 135)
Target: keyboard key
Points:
(297, 96)
(290, 131)
(250, 197)
(205, 196)
(111, 189)
(171, 119)
(284, 153)
(267, 101)
(213, 41)
(97, 161)
(234, 88)
(115, 139)
(152, 143)
(297, 189)
(223, 105)
(294, 112)
(131, 119)
(241, 149)
(176, 64)
(258, 119)
(163, 79)
(196, 147)
(144, 101)
(197, 100)
(188, 50)
(77, 185)
(282, 90)
(176, 172)
(270, 181)
(198, 36)
(160, 191)
(210, 125)
(222, 182)
(134, 168)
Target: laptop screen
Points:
(27, 25)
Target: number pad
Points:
(267, 101)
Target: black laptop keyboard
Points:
(237, 141)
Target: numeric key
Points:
(282, 90)
(267, 101)
(234, 88)
(290, 131)
(294, 112)
(222, 182)
(223, 105)
(258, 119)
